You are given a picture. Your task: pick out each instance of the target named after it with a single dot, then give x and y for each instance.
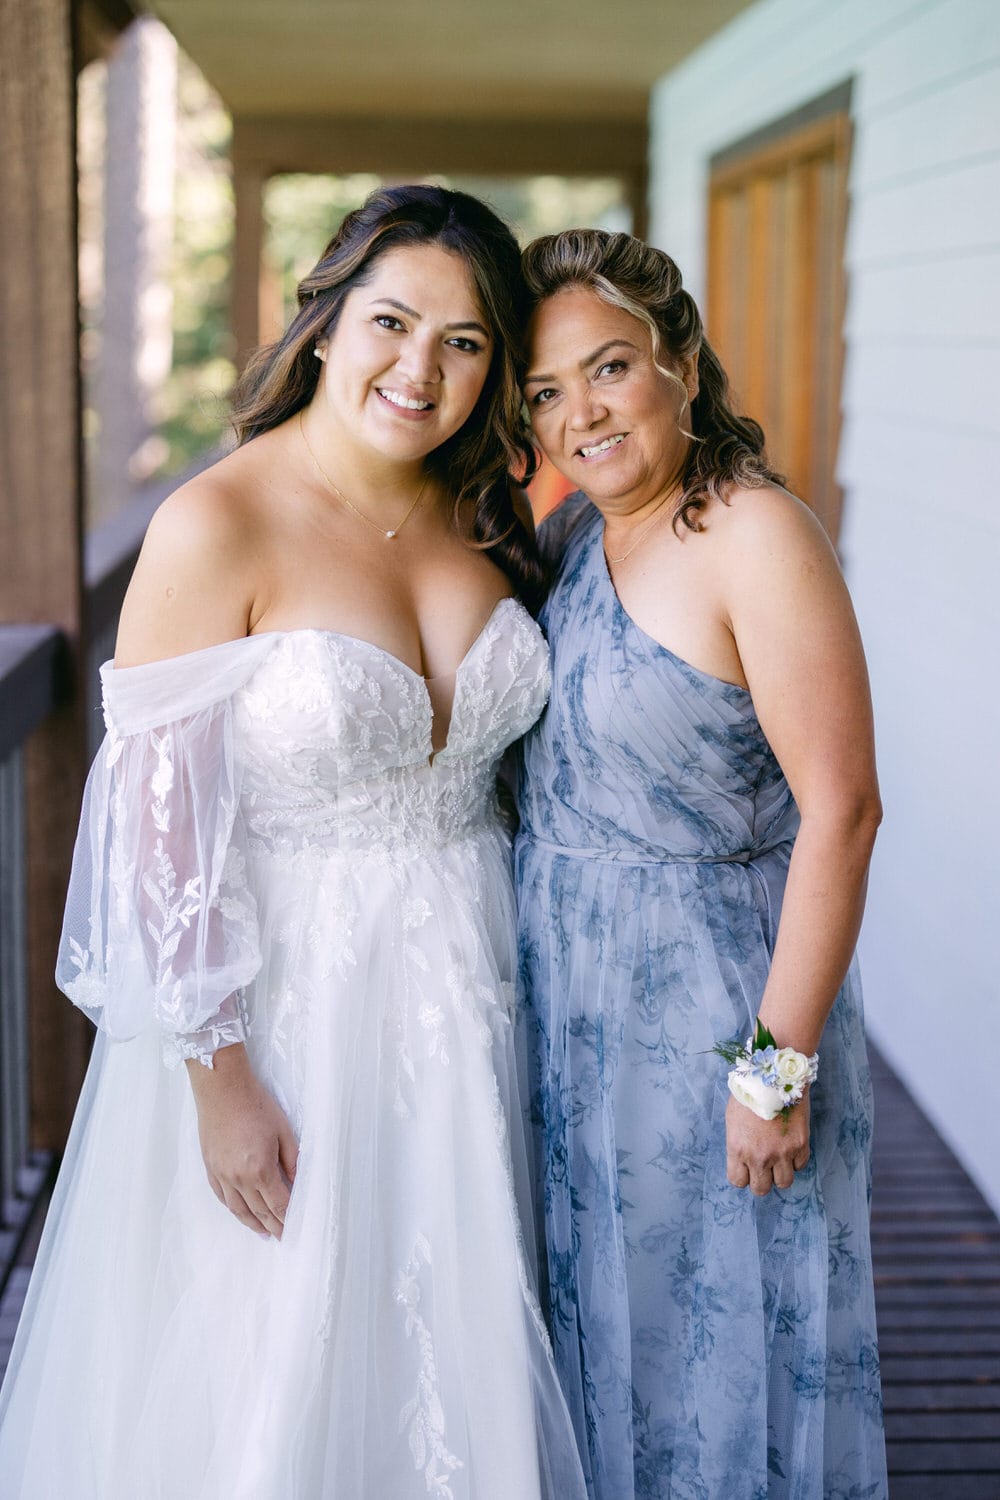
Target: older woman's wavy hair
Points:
(725, 449)
(476, 463)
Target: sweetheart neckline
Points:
(433, 755)
(122, 685)
(356, 640)
(359, 640)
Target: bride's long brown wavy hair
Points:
(725, 450)
(477, 463)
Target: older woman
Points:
(698, 806)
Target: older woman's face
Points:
(600, 409)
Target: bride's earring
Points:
(319, 352)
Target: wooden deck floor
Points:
(936, 1246)
(937, 1274)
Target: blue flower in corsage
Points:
(768, 1079)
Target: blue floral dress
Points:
(711, 1345)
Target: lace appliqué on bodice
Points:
(336, 735)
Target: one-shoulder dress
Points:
(271, 853)
(712, 1346)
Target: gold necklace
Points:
(642, 531)
(395, 530)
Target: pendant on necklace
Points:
(389, 535)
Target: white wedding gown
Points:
(269, 851)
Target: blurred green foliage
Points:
(193, 415)
(302, 213)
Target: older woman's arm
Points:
(798, 640)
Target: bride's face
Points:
(410, 354)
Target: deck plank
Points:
(942, 1396)
(954, 1487)
(928, 1426)
(945, 1457)
(931, 1317)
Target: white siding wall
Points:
(920, 463)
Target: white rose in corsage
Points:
(750, 1089)
(766, 1078)
(791, 1066)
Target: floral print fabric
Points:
(710, 1344)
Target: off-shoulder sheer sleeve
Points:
(161, 921)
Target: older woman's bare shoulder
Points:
(769, 541)
(764, 507)
(765, 520)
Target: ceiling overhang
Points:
(455, 60)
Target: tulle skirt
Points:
(390, 1345)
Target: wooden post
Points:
(136, 324)
(638, 185)
(248, 249)
(41, 490)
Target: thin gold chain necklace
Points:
(395, 530)
(656, 516)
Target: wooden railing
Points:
(29, 685)
(109, 556)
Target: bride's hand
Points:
(247, 1144)
(761, 1154)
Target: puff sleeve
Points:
(161, 921)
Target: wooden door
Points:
(775, 310)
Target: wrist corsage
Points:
(767, 1078)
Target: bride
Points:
(297, 1272)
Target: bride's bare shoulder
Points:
(196, 579)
